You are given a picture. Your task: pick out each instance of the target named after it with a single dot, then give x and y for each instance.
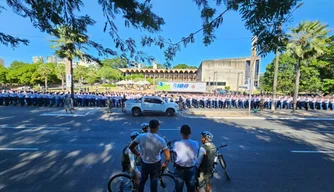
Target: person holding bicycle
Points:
(130, 162)
(186, 157)
(144, 127)
(205, 161)
(151, 145)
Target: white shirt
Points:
(186, 152)
(150, 146)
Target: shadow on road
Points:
(82, 153)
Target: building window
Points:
(214, 83)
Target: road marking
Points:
(22, 127)
(159, 129)
(327, 152)
(61, 115)
(19, 149)
(77, 113)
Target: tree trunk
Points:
(62, 83)
(296, 86)
(72, 82)
(46, 83)
(275, 81)
(80, 82)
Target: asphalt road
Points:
(54, 153)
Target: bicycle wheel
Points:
(223, 164)
(120, 183)
(166, 183)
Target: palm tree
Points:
(45, 71)
(68, 45)
(61, 73)
(307, 41)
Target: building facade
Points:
(182, 75)
(217, 74)
(2, 62)
(86, 63)
(51, 59)
(233, 72)
(37, 59)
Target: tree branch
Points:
(12, 41)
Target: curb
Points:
(261, 118)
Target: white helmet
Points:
(207, 135)
(134, 134)
(144, 125)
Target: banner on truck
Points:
(181, 87)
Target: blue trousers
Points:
(187, 176)
(320, 106)
(57, 102)
(326, 104)
(237, 104)
(314, 106)
(153, 171)
(268, 105)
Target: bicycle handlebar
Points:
(169, 143)
(222, 146)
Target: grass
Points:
(108, 85)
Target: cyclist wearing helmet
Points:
(205, 161)
(144, 127)
(130, 162)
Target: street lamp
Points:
(215, 76)
(238, 80)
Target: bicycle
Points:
(172, 155)
(219, 158)
(126, 182)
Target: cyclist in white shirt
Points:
(186, 158)
(150, 147)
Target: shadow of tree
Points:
(82, 153)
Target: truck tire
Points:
(136, 112)
(170, 112)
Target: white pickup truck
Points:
(150, 104)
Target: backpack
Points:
(125, 162)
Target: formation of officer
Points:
(256, 101)
(117, 99)
(56, 99)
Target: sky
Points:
(182, 17)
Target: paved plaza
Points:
(44, 149)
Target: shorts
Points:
(204, 178)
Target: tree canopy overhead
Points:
(260, 17)
(115, 63)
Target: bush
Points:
(37, 88)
